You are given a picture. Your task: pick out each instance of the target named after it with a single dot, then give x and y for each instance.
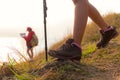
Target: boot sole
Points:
(76, 58)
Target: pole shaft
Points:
(45, 28)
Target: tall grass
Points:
(21, 69)
(25, 70)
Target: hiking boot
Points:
(67, 51)
(106, 36)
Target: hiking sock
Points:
(108, 28)
(74, 43)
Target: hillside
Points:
(96, 64)
(101, 64)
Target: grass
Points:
(91, 58)
(88, 50)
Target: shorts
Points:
(29, 47)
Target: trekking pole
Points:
(45, 30)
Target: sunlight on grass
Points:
(90, 49)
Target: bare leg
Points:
(31, 53)
(83, 10)
(96, 17)
(28, 53)
(80, 20)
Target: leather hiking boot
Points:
(67, 51)
(106, 37)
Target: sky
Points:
(16, 15)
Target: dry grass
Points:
(93, 61)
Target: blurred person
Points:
(29, 37)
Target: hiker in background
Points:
(30, 42)
(72, 49)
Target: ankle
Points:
(107, 28)
(76, 44)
